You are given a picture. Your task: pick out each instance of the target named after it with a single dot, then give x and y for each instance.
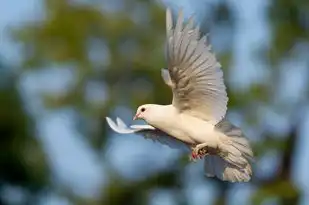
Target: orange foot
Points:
(198, 153)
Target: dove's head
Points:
(146, 112)
(142, 112)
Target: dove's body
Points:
(186, 128)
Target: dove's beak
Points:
(136, 116)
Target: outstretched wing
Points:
(193, 72)
(148, 132)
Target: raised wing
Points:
(148, 132)
(193, 72)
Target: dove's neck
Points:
(162, 115)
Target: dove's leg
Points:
(193, 156)
(198, 152)
(202, 150)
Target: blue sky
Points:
(71, 158)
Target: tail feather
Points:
(233, 160)
(215, 166)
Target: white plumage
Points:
(196, 118)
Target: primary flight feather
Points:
(195, 120)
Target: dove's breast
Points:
(174, 129)
(186, 128)
(189, 129)
(198, 130)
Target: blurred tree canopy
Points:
(120, 51)
(23, 163)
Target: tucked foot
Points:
(193, 157)
(198, 152)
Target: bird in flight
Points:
(196, 118)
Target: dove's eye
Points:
(143, 109)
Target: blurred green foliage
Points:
(123, 55)
(22, 160)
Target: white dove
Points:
(196, 117)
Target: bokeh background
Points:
(66, 64)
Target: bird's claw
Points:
(198, 152)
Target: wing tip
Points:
(119, 126)
(121, 123)
(169, 21)
(109, 120)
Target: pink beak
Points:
(136, 116)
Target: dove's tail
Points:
(233, 160)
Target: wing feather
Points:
(193, 72)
